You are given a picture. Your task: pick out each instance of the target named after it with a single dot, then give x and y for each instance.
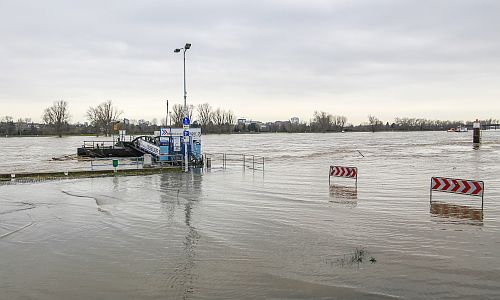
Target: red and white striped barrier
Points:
(346, 172)
(458, 186)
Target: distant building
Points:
(294, 120)
(126, 122)
(242, 121)
(264, 128)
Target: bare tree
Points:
(103, 115)
(177, 114)
(341, 121)
(57, 116)
(322, 120)
(204, 112)
(7, 125)
(190, 112)
(228, 117)
(374, 122)
(217, 117)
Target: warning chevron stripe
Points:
(347, 172)
(457, 186)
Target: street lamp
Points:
(186, 138)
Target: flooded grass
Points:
(354, 258)
(49, 176)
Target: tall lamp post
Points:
(186, 126)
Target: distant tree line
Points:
(106, 118)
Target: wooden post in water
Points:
(476, 137)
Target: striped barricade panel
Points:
(457, 186)
(347, 172)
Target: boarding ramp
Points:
(147, 145)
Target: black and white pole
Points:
(185, 119)
(476, 137)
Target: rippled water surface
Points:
(235, 233)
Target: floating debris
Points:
(65, 157)
(357, 257)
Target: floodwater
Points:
(237, 233)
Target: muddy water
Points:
(243, 234)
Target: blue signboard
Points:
(185, 121)
(185, 133)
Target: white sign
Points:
(122, 134)
(476, 125)
(195, 133)
(164, 132)
(177, 143)
(150, 148)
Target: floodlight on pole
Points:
(186, 158)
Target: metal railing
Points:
(252, 162)
(98, 144)
(108, 162)
(107, 143)
(176, 159)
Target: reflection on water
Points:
(344, 192)
(184, 277)
(346, 195)
(457, 212)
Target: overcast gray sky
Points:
(264, 60)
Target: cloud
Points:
(262, 59)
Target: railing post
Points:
(243, 161)
(262, 163)
(253, 162)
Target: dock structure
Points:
(167, 146)
(484, 126)
(45, 176)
